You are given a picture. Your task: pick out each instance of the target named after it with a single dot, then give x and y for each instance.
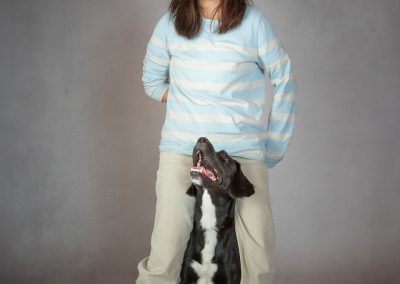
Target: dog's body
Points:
(212, 253)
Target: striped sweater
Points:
(217, 89)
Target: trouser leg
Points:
(173, 221)
(254, 227)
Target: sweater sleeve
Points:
(156, 62)
(274, 60)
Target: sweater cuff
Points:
(271, 162)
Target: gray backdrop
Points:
(79, 141)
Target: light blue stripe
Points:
(217, 56)
(288, 87)
(276, 146)
(218, 76)
(280, 70)
(187, 149)
(271, 162)
(151, 67)
(229, 95)
(230, 147)
(284, 127)
(251, 113)
(272, 56)
(284, 106)
(158, 52)
(210, 127)
(162, 25)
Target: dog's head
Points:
(217, 171)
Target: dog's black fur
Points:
(229, 184)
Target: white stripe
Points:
(217, 138)
(267, 47)
(259, 154)
(283, 116)
(274, 155)
(279, 136)
(218, 87)
(285, 78)
(214, 46)
(282, 96)
(236, 103)
(277, 63)
(208, 222)
(150, 90)
(229, 66)
(216, 118)
(255, 154)
(158, 42)
(157, 60)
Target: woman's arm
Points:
(276, 62)
(156, 62)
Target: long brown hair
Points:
(188, 17)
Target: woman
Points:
(207, 60)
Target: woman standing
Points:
(207, 60)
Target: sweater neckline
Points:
(208, 20)
(209, 24)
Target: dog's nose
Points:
(203, 140)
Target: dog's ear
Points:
(192, 190)
(240, 186)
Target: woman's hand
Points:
(165, 97)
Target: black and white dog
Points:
(212, 253)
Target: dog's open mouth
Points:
(204, 168)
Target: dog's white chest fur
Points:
(208, 221)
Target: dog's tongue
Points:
(203, 170)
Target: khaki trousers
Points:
(174, 221)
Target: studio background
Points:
(79, 141)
